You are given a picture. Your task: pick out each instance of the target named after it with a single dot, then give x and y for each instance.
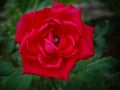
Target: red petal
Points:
(27, 48)
(57, 5)
(63, 71)
(31, 66)
(50, 48)
(53, 62)
(34, 67)
(67, 13)
(72, 29)
(86, 46)
(24, 26)
(41, 16)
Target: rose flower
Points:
(52, 40)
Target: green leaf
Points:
(80, 66)
(66, 1)
(74, 84)
(6, 68)
(10, 1)
(44, 3)
(18, 82)
(1, 38)
(16, 57)
(2, 87)
(103, 65)
(93, 59)
(93, 80)
(100, 45)
(100, 42)
(101, 29)
(9, 44)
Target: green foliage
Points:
(6, 68)
(91, 74)
(66, 1)
(96, 73)
(16, 81)
(100, 31)
(9, 44)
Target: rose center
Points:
(56, 39)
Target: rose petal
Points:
(50, 48)
(57, 5)
(50, 37)
(63, 42)
(42, 51)
(67, 13)
(70, 49)
(53, 62)
(86, 46)
(40, 17)
(24, 26)
(34, 67)
(27, 48)
(88, 36)
(54, 25)
(72, 29)
(63, 71)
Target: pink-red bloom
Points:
(52, 40)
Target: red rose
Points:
(52, 40)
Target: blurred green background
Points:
(101, 72)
